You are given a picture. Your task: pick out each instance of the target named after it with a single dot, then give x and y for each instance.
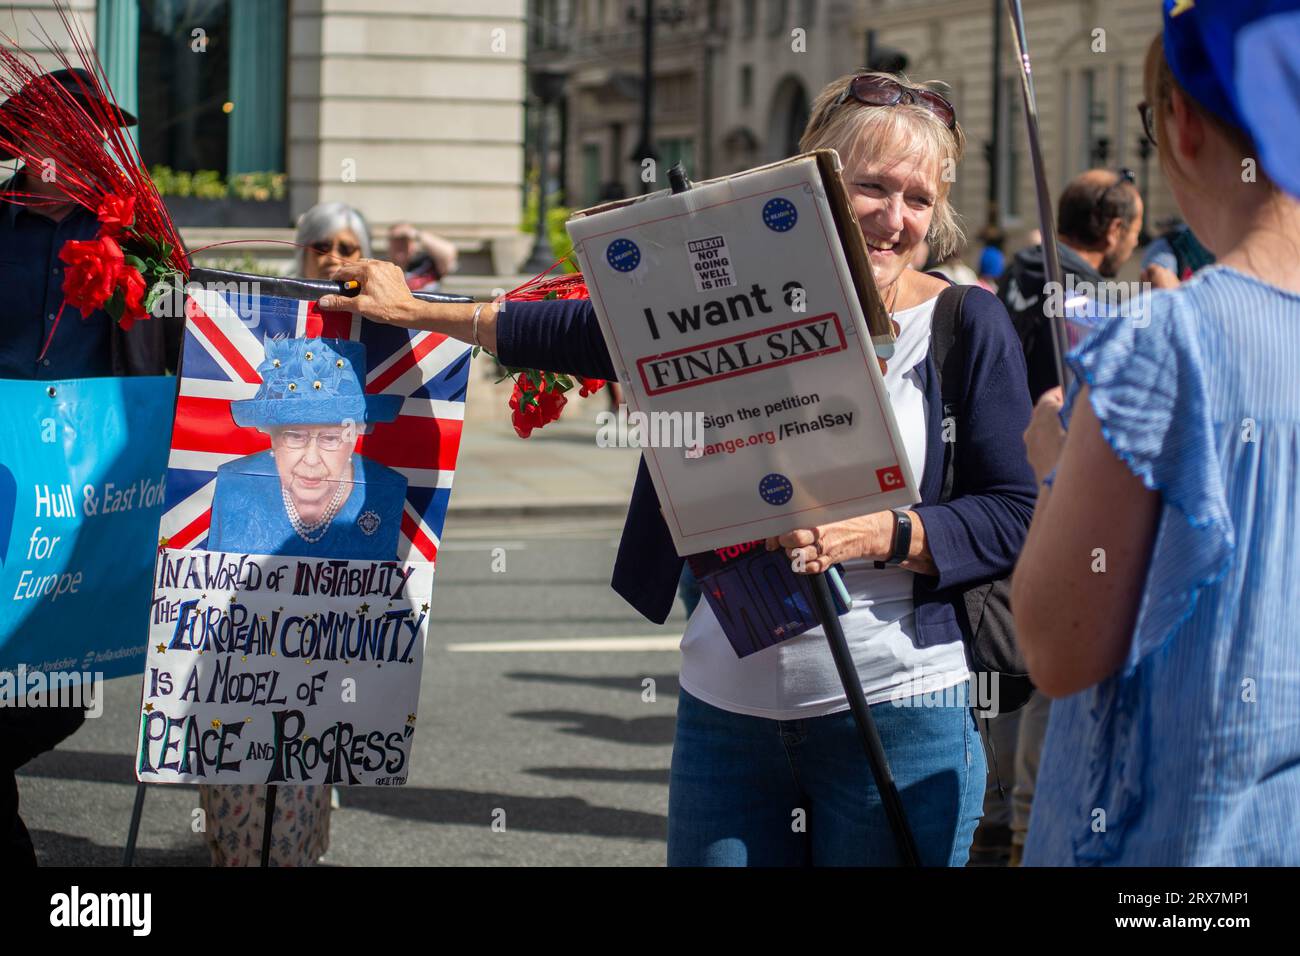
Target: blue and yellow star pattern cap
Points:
(1240, 60)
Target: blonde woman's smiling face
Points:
(893, 198)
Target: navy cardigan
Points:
(973, 539)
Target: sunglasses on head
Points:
(872, 90)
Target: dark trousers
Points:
(25, 733)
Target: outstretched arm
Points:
(384, 297)
(557, 335)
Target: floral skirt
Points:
(236, 817)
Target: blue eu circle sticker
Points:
(623, 255)
(776, 489)
(779, 214)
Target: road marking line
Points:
(483, 545)
(650, 643)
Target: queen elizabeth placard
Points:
(311, 466)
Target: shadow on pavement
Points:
(602, 774)
(87, 765)
(665, 684)
(571, 815)
(62, 849)
(637, 730)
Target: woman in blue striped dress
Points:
(1158, 594)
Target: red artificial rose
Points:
(524, 417)
(117, 213)
(543, 409)
(551, 404)
(132, 285)
(590, 386)
(92, 273)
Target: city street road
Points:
(544, 733)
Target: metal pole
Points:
(266, 830)
(889, 796)
(133, 831)
(1051, 256)
(647, 90)
(992, 230)
(543, 256)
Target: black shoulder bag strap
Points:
(988, 606)
(945, 349)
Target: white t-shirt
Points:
(797, 678)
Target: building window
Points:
(807, 14)
(777, 11)
(678, 150)
(749, 19)
(1094, 148)
(591, 174)
(1122, 145)
(1010, 126)
(211, 85)
(1067, 109)
(673, 93)
(746, 87)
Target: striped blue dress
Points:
(1190, 754)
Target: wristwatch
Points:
(902, 540)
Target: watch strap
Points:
(902, 540)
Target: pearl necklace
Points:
(312, 533)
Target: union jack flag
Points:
(225, 332)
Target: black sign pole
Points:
(870, 737)
(271, 791)
(133, 831)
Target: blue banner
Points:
(82, 470)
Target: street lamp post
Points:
(992, 222)
(645, 145)
(547, 86)
(649, 18)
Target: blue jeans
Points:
(738, 782)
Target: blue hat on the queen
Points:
(313, 382)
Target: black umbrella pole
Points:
(893, 803)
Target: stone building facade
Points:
(406, 109)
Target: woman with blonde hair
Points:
(767, 766)
(1175, 738)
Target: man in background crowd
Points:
(1099, 218)
(1172, 258)
(425, 258)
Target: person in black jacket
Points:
(32, 347)
(1099, 218)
